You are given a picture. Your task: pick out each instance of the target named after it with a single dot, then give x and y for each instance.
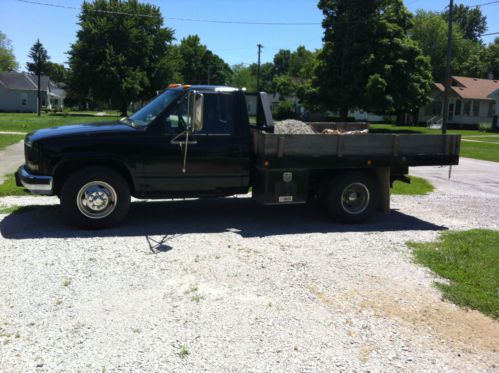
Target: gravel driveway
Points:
(228, 285)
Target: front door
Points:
(451, 111)
(215, 160)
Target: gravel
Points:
(228, 285)
(291, 126)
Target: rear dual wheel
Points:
(351, 197)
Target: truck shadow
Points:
(240, 215)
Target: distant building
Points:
(471, 101)
(18, 93)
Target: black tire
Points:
(351, 198)
(89, 190)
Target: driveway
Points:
(471, 177)
(228, 285)
(12, 157)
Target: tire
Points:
(351, 198)
(95, 198)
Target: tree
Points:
(368, 60)
(39, 57)
(282, 62)
(470, 20)
(492, 58)
(199, 65)
(121, 58)
(430, 32)
(242, 77)
(57, 72)
(7, 59)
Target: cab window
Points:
(176, 117)
(218, 114)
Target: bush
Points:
(284, 110)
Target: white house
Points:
(18, 93)
(471, 101)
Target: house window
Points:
(476, 108)
(457, 110)
(24, 99)
(492, 109)
(467, 107)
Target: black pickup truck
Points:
(198, 141)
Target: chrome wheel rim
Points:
(96, 200)
(355, 198)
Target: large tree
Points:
(7, 59)
(368, 60)
(39, 59)
(492, 58)
(242, 77)
(120, 57)
(470, 21)
(57, 72)
(430, 32)
(199, 65)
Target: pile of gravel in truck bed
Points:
(291, 126)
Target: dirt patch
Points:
(424, 314)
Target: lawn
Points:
(22, 122)
(6, 140)
(417, 187)
(487, 150)
(469, 261)
(480, 150)
(9, 188)
(389, 128)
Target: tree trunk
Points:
(400, 118)
(39, 103)
(124, 109)
(344, 113)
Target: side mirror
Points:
(196, 111)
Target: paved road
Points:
(471, 177)
(12, 157)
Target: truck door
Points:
(217, 159)
(215, 156)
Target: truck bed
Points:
(376, 150)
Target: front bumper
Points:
(36, 184)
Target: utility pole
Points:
(448, 69)
(258, 74)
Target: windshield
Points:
(148, 113)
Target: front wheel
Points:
(95, 198)
(351, 197)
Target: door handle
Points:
(178, 141)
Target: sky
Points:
(56, 27)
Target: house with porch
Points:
(472, 101)
(18, 93)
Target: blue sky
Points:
(24, 23)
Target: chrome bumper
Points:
(36, 184)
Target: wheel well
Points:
(318, 181)
(66, 169)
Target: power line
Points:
(491, 33)
(484, 4)
(92, 10)
(183, 19)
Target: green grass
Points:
(470, 261)
(494, 139)
(6, 140)
(417, 187)
(476, 150)
(22, 122)
(16, 209)
(9, 188)
(480, 150)
(389, 128)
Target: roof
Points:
(472, 88)
(29, 82)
